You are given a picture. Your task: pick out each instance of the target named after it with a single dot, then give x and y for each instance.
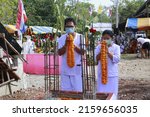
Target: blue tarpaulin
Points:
(138, 23)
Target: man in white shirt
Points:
(28, 46)
(71, 79)
(145, 50)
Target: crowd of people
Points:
(131, 44)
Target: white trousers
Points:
(71, 82)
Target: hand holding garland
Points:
(78, 50)
(62, 50)
(110, 55)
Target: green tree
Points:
(48, 12)
(61, 9)
(8, 11)
(103, 18)
(41, 12)
(80, 12)
(126, 9)
(72, 8)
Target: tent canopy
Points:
(36, 29)
(10, 28)
(41, 29)
(138, 23)
(102, 26)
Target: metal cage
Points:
(52, 75)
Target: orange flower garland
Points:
(70, 51)
(103, 59)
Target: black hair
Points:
(109, 32)
(70, 19)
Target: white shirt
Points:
(141, 40)
(112, 64)
(65, 69)
(28, 47)
(147, 40)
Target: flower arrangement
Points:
(91, 35)
(41, 41)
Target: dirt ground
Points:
(134, 82)
(134, 78)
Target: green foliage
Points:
(48, 12)
(51, 13)
(103, 18)
(60, 9)
(126, 9)
(41, 12)
(8, 11)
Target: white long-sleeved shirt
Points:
(112, 64)
(65, 69)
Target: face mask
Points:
(69, 30)
(108, 42)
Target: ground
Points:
(134, 81)
(134, 76)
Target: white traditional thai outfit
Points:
(112, 84)
(71, 79)
(28, 46)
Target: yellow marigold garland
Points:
(70, 51)
(103, 59)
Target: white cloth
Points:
(71, 83)
(19, 38)
(121, 48)
(28, 47)
(141, 40)
(147, 40)
(65, 69)
(70, 77)
(112, 85)
(112, 64)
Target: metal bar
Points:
(54, 69)
(57, 66)
(94, 78)
(82, 68)
(49, 68)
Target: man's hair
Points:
(70, 19)
(109, 32)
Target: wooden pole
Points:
(21, 58)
